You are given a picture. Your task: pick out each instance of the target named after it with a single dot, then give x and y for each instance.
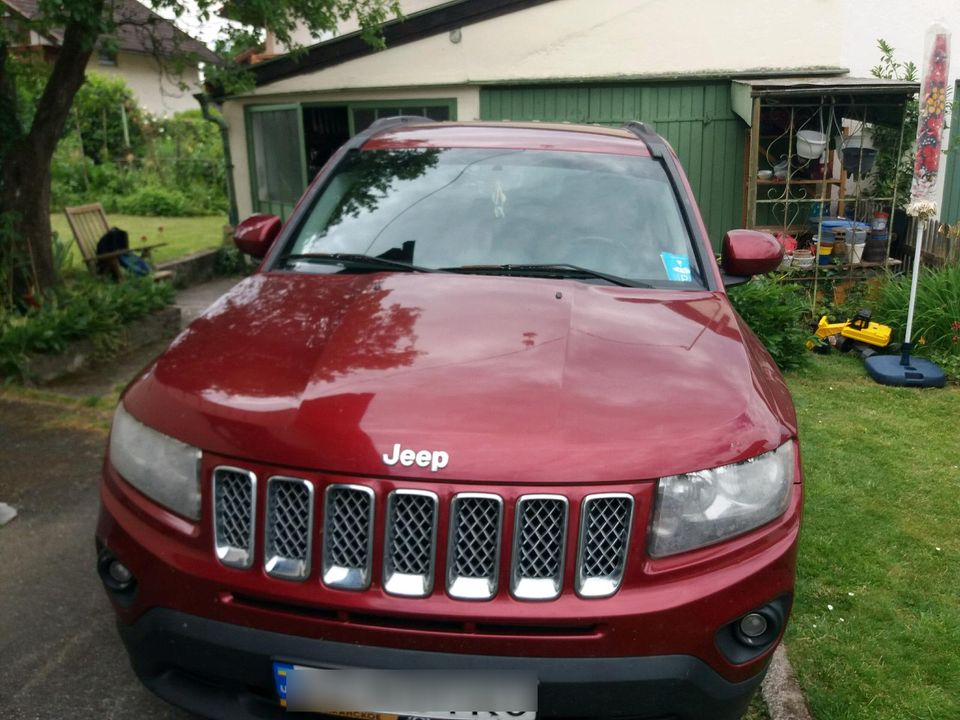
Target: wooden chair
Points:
(89, 224)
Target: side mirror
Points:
(748, 252)
(256, 234)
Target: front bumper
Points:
(224, 671)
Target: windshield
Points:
(482, 209)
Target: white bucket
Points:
(856, 252)
(811, 144)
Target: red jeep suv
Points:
(482, 434)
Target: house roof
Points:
(416, 26)
(829, 86)
(138, 30)
(872, 99)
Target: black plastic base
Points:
(224, 671)
(919, 372)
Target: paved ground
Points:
(198, 298)
(60, 656)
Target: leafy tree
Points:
(29, 135)
(893, 173)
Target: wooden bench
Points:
(89, 224)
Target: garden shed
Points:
(550, 60)
(811, 147)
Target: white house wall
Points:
(611, 38)
(903, 27)
(301, 36)
(155, 91)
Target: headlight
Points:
(705, 507)
(163, 469)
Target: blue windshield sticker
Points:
(677, 267)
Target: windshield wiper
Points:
(564, 269)
(357, 259)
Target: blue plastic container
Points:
(830, 224)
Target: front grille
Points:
(605, 522)
(410, 543)
(348, 536)
(234, 510)
(474, 538)
(289, 527)
(474, 547)
(539, 546)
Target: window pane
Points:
(276, 149)
(363, 118)
(437, 112)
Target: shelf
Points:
(831, 181)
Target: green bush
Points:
(778, 315)
(158, 201)
(936, 322)
(230, 261)
(98, 115)
(86, 308)
(937, 315)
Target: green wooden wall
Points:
(950, 210)
(694, 117)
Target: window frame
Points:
(286, 209)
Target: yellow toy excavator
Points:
(861, 329)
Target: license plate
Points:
(283, 672)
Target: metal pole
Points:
(823, 202)
(907, 345)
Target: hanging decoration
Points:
(933, 108)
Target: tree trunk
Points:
(25, 175)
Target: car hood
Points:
(516, 379)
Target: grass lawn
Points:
(876, 625)
(183, 235)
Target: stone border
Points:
(781, 692)
(192, 269)
(44, 368)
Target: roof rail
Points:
(389, 122)
(655, 144)
(377, 126)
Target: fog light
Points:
(116, 577)
(122, 575)
(749, 636)
(753, 625)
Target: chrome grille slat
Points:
(474, 539)
(348, 536)
(539, 546)
(605, 521)
(473, 550)
(411, 534)
(289, 525)
(234, 510)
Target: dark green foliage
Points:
(892, 172)
(937, 315)
(98, 113)
(778, 315)
(179, 172)
(158, 201)
(230, 261)
(85, 308)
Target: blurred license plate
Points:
(313, 686)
